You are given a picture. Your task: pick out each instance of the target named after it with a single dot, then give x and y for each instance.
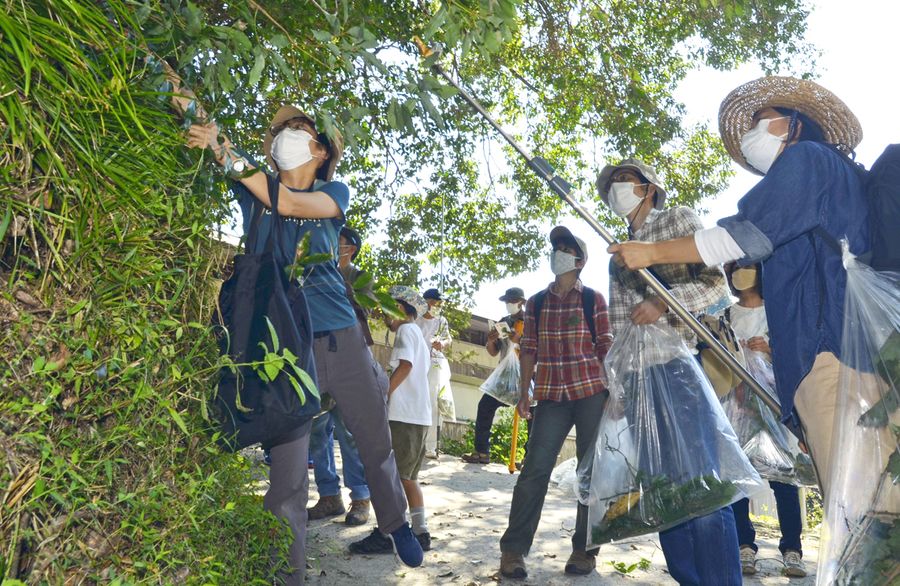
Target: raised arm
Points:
(315, 204)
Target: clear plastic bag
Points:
(772, 449)
(503, 383)
(665, 452)
(565, 476)
(861, 541)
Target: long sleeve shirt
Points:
(568, 364)
(699, 288)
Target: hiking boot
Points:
(407, 546)
(793, 564)
(581, 563)
(328, 506)
(358, 513)
(477, 458)
(512, 565)
(376, 542)
(748, 560)
(431, 454)
(424, 540)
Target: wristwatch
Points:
(235, 167)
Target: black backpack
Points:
(587, 304)
(883, 197)
(258, 305)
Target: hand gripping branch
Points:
(563, 189)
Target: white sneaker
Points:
(793, 564)
(748, 560)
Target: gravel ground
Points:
(468, 507)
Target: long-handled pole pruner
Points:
(563, 189)
(514, 441)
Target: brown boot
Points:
(581, 563)
(358, 513)
(328, 506)
(477, 458)
(512, 565)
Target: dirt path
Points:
(468, 507)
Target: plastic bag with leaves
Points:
(772, 449)
(665, 452)
(503, 383)
(862, 507)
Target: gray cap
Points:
(562, 232)
(513, 294)
(605, 177)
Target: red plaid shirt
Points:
(568, 366)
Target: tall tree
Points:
(107, 224)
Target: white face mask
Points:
(512, 308)
(761, 148)
(435, 311)
(290, 149)
(622, 199)
(562, 262)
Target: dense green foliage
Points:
(107, 224)
(501, 439)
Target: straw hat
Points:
(603, 180)
(286, 113)
(839, 125)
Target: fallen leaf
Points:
(26, 298)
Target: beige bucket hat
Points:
(839, 125)
(649, 173)
(288, 112)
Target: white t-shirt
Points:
(410, 402)
(749, 322)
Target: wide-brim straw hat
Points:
(649, 173)
(285, 113)
(839, 125)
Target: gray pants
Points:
(346, 370)
(552, 422)
(287, 496)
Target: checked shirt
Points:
(568, 366)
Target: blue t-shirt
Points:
(323, 284)
(808, 188)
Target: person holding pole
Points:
(796, 134)
(703, 550)
(565, 340)
(315, 204)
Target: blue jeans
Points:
(704, 551)
(321, 449)
(787, 501)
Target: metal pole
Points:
(564, 190)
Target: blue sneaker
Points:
(407, 546)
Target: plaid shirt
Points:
(699, 288)
(568, 366)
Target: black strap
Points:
(274, 238)
(588, 298)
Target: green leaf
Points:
(272, 365)
(256, 72)
(273, 335)
(178, 420)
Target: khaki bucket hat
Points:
(839, 125)
(649, 173)
(288, 112)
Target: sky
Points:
(858, 62)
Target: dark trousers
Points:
(787, 501)
(552, 422)
(287, 496)
(484, 419)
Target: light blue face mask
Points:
(562, 262)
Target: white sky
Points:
(858, 62)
